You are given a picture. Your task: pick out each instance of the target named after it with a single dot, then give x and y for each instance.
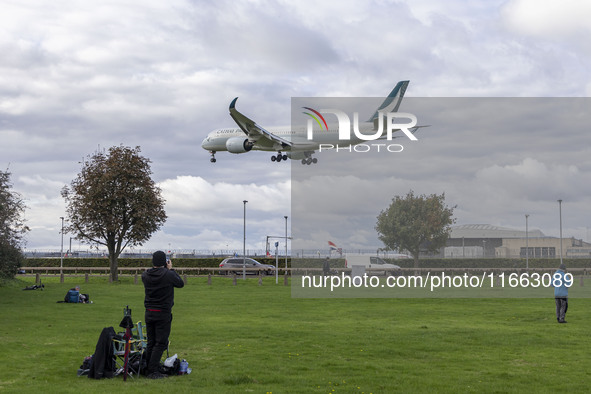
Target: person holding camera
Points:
(159, 283)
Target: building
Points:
(485, 240)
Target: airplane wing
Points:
(413, 130)
(254, 131)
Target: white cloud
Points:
(212, 214)
(549, 19)
(195, 194)
(534, 180)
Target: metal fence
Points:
(192, 253)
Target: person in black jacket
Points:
(326, 267)
(159, 283)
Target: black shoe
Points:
(157, 375)
(561, 321)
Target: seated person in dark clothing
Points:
(74, 295)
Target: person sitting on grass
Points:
(74, 295)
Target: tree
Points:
(414, 222)
(12, 228)
(114, 202)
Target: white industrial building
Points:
(485, 240)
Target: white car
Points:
(235, 264)
(373, 263)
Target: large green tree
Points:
(415, 222)
(12, 227)
(114, 202)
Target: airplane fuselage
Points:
(216, 140)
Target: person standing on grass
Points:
(326, 267)
(560, 293)
(159, 283)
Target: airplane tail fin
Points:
(392, 102)
(333, 248)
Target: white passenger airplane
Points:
(294, 142)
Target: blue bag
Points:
(73, 296)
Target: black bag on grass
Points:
(85, 367)
(174, 370)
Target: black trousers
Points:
(158, 329)
(561, 308)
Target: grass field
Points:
(250, 338)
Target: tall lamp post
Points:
(244, 244)
(62, 248)
(285, 244)
(560, 216)
(526, 244)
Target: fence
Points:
(193, 253)
(208, 272)
(184, 272)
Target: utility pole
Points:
(560, 215)
(244, 244)
(526, 244)
(62, 248)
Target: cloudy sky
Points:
(79, 76)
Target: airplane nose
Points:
(205, 144)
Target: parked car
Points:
(234, 264)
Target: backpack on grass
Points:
(72, 296)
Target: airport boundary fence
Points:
(213, 262)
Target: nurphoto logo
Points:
(362, 131)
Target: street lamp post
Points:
(526, 244)
(244, 244)
(560, 216)
(62, 248)
(276, 262)
(285, 244)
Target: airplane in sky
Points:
(294, 143)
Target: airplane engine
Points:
(238, 145)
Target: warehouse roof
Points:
(490, 231)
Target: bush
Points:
(10, 260)
(318, 263)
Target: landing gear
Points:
(278, 157)
(213, 160)
(309, 160)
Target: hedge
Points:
(314, 263)
(133, 262)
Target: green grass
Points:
(250, 338)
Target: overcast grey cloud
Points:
(76, 77)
